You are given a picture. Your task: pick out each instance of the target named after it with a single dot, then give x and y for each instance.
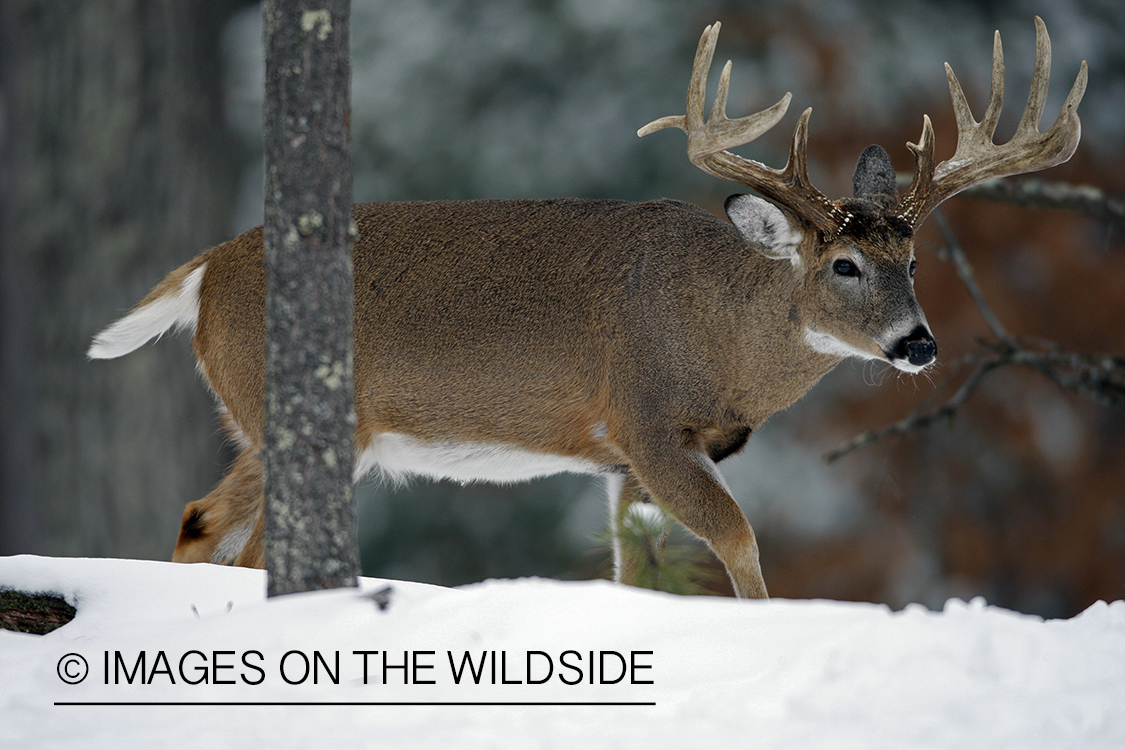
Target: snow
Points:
(786, 674)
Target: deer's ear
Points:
(764, 226)
(874, 178)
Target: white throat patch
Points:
(826, 343)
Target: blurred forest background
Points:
(131, 141)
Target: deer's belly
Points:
(398, 456)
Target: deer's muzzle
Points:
(917, 347)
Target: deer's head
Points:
(855, 256)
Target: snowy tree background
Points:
(1018, 499)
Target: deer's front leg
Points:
(686, 484)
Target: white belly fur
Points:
(398, 456)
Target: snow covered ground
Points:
(538, 664)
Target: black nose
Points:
(921, 352)
(918, 347)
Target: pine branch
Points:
(657, 565)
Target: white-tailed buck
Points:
(503, 340)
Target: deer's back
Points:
(466, 309)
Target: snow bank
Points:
(178, 655)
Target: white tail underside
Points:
(179, 310)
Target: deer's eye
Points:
(845, 267)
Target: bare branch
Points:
(919, 421)
(954, 252)
(1100, 379)
(1086, 200)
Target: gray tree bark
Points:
(308, 456)
(116, 166)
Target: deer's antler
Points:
(708, 141)
(977, 159)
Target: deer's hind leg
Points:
(226, 526)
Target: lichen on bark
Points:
(310, 414)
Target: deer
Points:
(501, 340)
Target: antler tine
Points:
(697, 86)
(796, 171)
(693, 120)
(995, 88)
(967, 127)
(719, 106)
(1039, 86)
(977, 159)
(718, 132)
(708, 141)
(1040, 78)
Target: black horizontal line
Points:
(355, 703)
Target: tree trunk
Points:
(116, 167)
(311, 538)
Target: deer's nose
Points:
(917, 347)
(921, 352)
